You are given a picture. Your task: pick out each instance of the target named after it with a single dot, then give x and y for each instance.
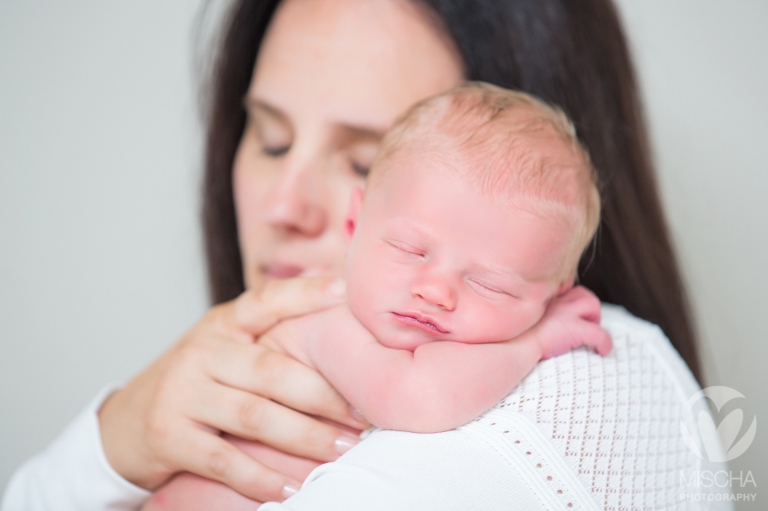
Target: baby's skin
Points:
(444, 315)
(453, 297)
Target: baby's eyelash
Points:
(493, 289)
(487, 287)
(403, 247)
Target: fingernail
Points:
(290, 489)
(345, 443)
(337, 288)
(355, 413)
(314, 272)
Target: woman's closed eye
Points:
(270, 127)
(275, 151)
(360, 169)
(361, 152)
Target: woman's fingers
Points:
(159, 425)
(261, 371)
(214, 458)
(256, 418)
(190, 492)
(257, 310)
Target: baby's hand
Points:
(572, 320)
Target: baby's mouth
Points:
(420, 321)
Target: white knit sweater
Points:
(580, 432)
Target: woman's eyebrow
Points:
(358, 131)
(352, 130)
(250, 103)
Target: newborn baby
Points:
(476, 212)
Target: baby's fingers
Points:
(574, 335)
(583, 303)
(595, 336)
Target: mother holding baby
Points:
(302, 92)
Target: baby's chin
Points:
(409, 338)
(403, 338)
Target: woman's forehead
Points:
(358, 62)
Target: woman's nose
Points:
(436, 293)
(294, 204)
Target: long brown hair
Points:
(571, 53)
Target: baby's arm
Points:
(440, 385)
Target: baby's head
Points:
(475, 214)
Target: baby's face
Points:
(431, 259)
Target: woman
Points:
(302, 93)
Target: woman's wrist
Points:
(121, 437)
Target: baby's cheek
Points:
(362, 301)
(497, 324)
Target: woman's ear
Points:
(355, 203)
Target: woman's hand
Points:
(188, 492)
(572, 320)
(168, 419)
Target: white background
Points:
(100, 254)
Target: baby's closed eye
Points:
(487, 288)
(405, 248)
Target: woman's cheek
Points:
(252, 179)
(250, 190)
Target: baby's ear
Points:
(355, 203)
(565, 287)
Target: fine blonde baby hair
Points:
(500, 141)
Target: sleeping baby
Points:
(475, 215)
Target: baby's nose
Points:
(435, 293)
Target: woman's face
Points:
(330, 78)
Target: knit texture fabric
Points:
(581, 432)
(615, 420)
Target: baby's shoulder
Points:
(618, 414)
(642, 361)
(642, 370)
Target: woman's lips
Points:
(420, 321)
(281, 271)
